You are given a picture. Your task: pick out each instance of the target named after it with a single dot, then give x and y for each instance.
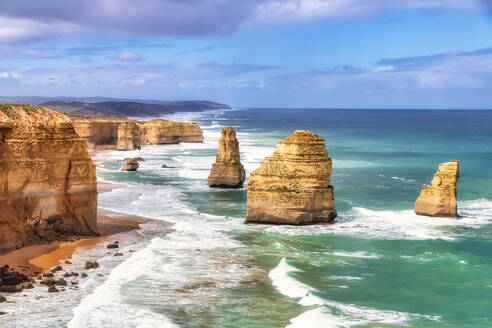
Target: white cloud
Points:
(128, 56)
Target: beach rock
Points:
(2, 299)
(48, 180)
(118, 254)
(292, 186)
(164, 166)
(128, 136)
(48, 274)
(52, 289)
(11, 288)
(114, 245)
(27, 285)
(68, 262)
(57, 268)
(48, 281)
(9, 276)
(3, 313)
(61, 282)
(439, 199)
(227, 171)
(91, 265)
(83, 275)
(131, 164)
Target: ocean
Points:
(379, 265)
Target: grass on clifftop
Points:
(8, 109)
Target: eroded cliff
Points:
(47, 180)
(227, 171)
(129, 134)
(156, 132)
(293, 185)
(439, 199)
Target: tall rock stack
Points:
(128, 136)
(439, 199)
(293, 185)
(48, 187)
(227, 171)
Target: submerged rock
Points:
(293, 185)
(131, 164)
(227, 171)
(439, 199)
(53, 289)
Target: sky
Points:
(252, 53)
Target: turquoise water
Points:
(378, 265)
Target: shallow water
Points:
(379, 265)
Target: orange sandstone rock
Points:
(439, 199)
(227, 171)
(47, 180)
(293, 185)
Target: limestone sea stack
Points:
(48, 187)
(227, 171)
(293, 185)
(439, 199)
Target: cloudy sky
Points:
(252, 53)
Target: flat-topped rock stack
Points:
(439, 199)
(293, 185)
(48, 187)
(227, 171)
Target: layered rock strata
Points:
(227, 171)
(155, 132)
(293, 185)
(128, 136)
(98, 131)
(47, 180)
(439, 199)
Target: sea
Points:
(196, 264)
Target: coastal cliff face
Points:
(155, 132)
(439, 199)
(293, 185)
(98, 131)
(227, 171)
(47, 180)
(128, 136)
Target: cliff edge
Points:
(48, 184)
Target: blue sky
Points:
(255, 53)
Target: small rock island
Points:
(439, 199)
(293, 185)
(227, 171)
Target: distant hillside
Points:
(111, 107)
(128, 108)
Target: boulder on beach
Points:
(227, 171)
(131, 164)
(439, 199)
(293, 185)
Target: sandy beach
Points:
(40, 258)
